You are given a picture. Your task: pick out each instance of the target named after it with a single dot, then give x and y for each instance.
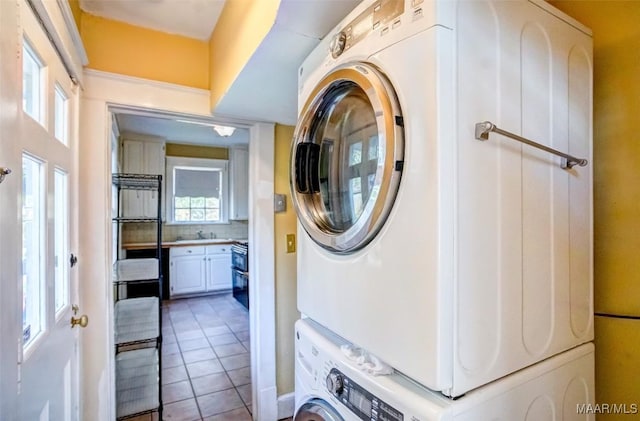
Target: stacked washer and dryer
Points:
(441, 174)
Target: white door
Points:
(9, 233)
(38, 224)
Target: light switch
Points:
(291, 243)
(280, 203)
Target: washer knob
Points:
(334, 383)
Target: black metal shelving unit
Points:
(138, 321)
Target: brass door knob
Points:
(81, 321)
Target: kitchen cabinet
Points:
(239, 184)
(199, 269)
(141, 157)
(187, 270)
(218, 268)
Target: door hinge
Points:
(19, 374)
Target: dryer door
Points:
(317, 410)
(347, 157)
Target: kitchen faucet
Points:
(200, 235)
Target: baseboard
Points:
(286, 405)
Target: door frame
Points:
(103, 93)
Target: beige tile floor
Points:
(206, 368)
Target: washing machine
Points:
(331, 387)
(437, 226)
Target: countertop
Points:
(181, 243)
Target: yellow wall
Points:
(242, 26)
(77, 12)
(118, 47)
(616, 37)
(285, 265)
(194, 151)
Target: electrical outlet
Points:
(291, 243)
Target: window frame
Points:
(41, 105)
(29, 345)
(63, 113)
(221, 165)
(61, 238)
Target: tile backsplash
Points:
(143, 233)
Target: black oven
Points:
(240, 272)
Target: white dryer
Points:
(330, 387)
(455, 260)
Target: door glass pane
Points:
(31, 82)
(347, 133)
(61, 218)
(32, 249)
(61, 110)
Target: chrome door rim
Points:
(317, 407)
(389, 121)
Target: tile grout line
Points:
(225, 371)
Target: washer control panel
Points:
(360, 401)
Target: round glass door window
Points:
(347, 158)
(317, 410)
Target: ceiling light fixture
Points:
(197, 123)
(224, 131)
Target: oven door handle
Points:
(240, 271)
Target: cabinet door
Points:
(187, 275)
(239, 209)
(153, 164)
(219, 272)
(132, 163)
(140, 157)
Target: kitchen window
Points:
(197, 191)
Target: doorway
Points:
(204, 207)
(105, 93)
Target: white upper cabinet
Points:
(239, 184)
(142, 157)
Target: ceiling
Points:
(191, 18)
(173, 130)
(266, 88)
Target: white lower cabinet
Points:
(200, 269)
(218, 267)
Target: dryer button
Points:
(338, 44)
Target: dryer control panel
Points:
(360, 401)
(379, 15)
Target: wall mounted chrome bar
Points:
(3, 173)
(568, 161)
